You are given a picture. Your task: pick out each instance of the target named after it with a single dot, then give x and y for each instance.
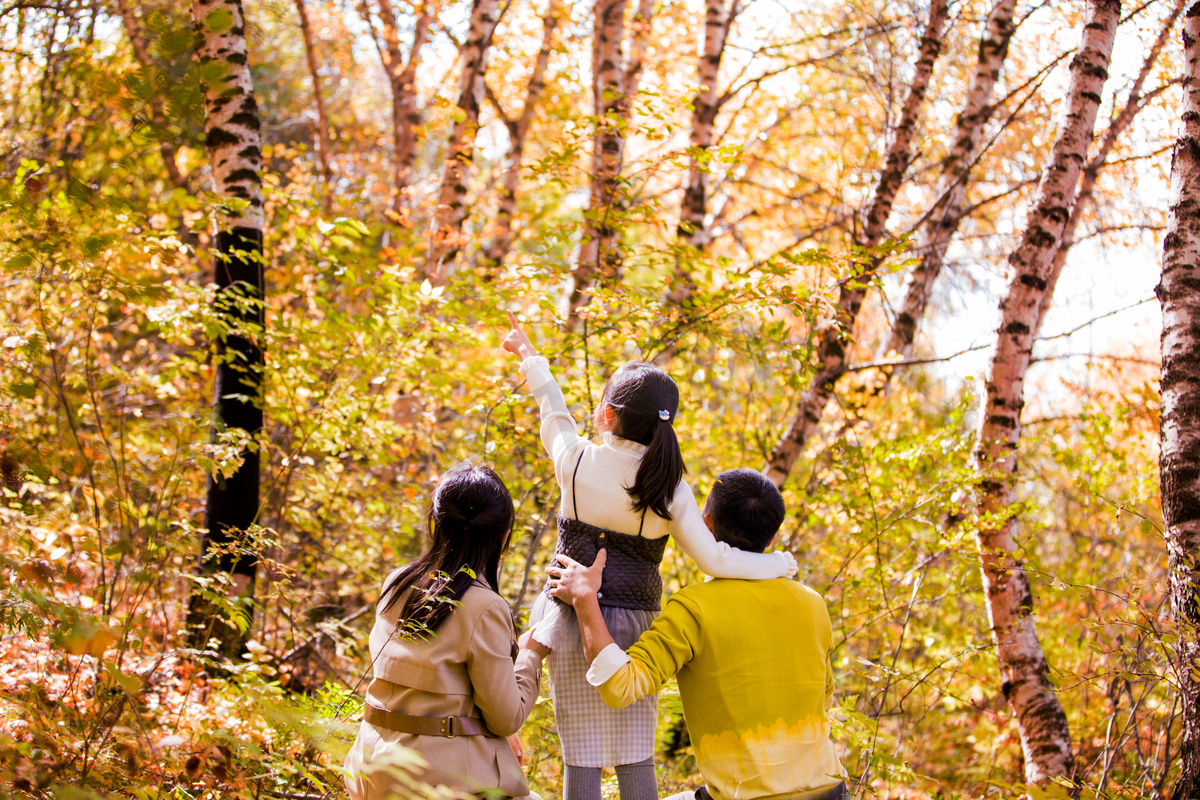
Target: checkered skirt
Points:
(591, 733)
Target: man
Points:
(752, 660)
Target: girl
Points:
(625, 495)
(445, 680)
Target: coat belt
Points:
(448, 727)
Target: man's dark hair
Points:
(746, 509)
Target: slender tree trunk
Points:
(599, 255)
(322, 117)
(952, 185)
(1045, 736)
(402, 79)
(518, 129)
(159, 119)
(832, 347)
(446, 241)
(1179, 294)
(692, 231)
(639, 40)
(1134, 103)
(232, 141)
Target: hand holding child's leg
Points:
(573, 581)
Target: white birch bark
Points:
(832, 347)
(518, 129)
(599, 255)
(1179, 295)
(694, 207)
(639, 40)
(1041, 722)
(446, 239)
(231, 119)
(952, 184)
(1134, 103)
(233, 146)
(402, 79)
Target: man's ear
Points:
(773, 538)
(707, 520)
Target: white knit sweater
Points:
(604, 472)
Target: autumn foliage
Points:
(381, 369)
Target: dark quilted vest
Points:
(631, 578)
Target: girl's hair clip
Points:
(664, 415)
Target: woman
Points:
(449, 681)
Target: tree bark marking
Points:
(1179, 294)
(1045, 735)
(445, 241)
(937, 233)
(517, 131)
(234, 152)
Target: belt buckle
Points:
(448, 727)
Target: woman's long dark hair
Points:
(469, 521)
(645, 401)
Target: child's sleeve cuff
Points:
(610, 659)
(535, 367)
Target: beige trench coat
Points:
(465, 669)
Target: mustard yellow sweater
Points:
(752, 659)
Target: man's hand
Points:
(574, 582)
(527, 642)
(516, 342)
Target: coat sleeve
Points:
(504, 690)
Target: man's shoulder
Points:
(720, 591)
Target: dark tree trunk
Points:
(694, 208)
(227, 559)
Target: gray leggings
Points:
(635, 781)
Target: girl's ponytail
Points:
(646, 401)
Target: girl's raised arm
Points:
(560, 436)
(717, 558)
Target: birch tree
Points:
(949, 208)
(452, 209)
(1134, 103)
(639, 40)
(1045, 736)
(832, 346)
(717, 22)
(613, 87)
(518, 130)
(1179, 295)
(233, 146)
(402, 80)
(314, 72)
